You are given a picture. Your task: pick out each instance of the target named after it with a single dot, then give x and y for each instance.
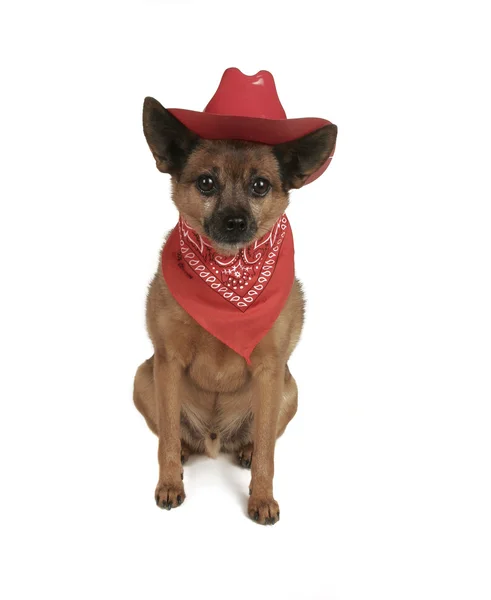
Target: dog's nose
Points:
(232, 226)
(235, 223)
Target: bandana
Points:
(235, 298)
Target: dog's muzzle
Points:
(231, 227)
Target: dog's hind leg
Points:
(144, 394)
(244, 456)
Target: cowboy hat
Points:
(247, 107)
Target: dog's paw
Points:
(244, 456)
(169, 495)
(185, 454)
(264, 511)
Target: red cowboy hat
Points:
(247, 107)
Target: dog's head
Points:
(231, 191)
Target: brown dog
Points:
(196, 393)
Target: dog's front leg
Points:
(268, 386)
(167, 377)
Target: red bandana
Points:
(236, 298)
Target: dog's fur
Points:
(195, 393)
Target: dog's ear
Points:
(170, 141)
(300, 158)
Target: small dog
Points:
(196, 393)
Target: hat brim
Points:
(265, 131)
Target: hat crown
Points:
(243, 95)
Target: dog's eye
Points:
(260, 186)
(205, 183)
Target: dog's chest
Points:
(218, 372)
(217, 368)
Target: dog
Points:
(196, 393)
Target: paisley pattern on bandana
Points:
(238, 298)
(241, 278)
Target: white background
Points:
(383, 477)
